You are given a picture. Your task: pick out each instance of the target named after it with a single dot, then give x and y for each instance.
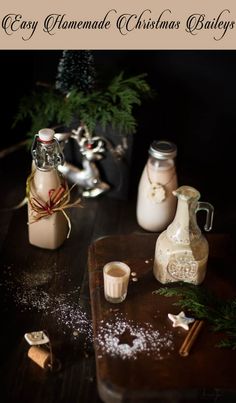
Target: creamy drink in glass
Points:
(116, 279)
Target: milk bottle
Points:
(156, 204)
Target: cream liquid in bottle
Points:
(50, 231)
(156, 204)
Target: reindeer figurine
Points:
(92, 149)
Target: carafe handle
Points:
(210, 213)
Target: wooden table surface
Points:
(50, 290)
(137, 349)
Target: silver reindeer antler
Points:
(91, 148)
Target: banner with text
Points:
(117, 24)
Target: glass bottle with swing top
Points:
(47, 227)
(156, 205)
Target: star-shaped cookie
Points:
(180, 320)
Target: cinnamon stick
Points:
(190, 338)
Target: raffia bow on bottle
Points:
(59, 200)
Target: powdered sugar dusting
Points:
(118, 337)
(141, 339)
(29, 292)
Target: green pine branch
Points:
(203, 304)
(114, 105)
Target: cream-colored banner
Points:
(120, 24)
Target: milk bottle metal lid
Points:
(163, 149)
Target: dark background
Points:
(194, 107)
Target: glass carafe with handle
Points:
(182, 250)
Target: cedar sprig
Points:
(204, 304)
(112, 105)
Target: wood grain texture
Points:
(53, 273)
(207, 369)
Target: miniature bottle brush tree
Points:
(77, 93)
(78, 97)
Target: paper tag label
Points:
(157, 193)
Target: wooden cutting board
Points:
(136, 346)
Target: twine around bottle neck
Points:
(58, 201)
(159, 183)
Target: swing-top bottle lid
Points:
(163, 149)
(46, 151)
(46, 134)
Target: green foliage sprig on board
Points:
(203, 304)
(112, 105)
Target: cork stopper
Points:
(46, 134)
(40, 356)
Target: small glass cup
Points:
(116, 279)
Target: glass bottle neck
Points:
(161, 164)
(46, 155)
(184, 227)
